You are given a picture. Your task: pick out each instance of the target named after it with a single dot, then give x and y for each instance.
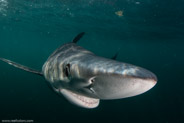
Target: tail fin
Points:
(22, 67)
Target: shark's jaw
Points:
(80, 100)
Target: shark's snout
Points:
(142, 74)
(129, 82)
(110, 79)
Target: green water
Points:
(149, 33)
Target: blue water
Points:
(148, 33)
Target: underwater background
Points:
(147, 33)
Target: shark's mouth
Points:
(80, 100)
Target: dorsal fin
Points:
(78, 37)
(22, 67)
(115, 56)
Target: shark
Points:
(85, 78)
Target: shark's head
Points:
(84, 78)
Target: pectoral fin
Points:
(22, 67)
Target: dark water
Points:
(149, 33)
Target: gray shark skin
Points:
(85, 79)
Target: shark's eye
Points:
(92, 80)
(67, 70)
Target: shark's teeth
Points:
(80, 100)
(85, 99)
